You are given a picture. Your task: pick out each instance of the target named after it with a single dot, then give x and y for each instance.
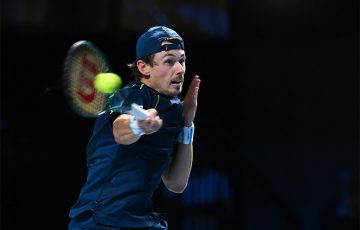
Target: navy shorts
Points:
(85, 221)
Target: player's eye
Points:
(170, 61)
(182, 61)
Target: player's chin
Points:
(175, 90)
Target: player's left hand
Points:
(190, 101)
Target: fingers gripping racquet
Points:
(83, 62)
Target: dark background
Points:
(277, 141)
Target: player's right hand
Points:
(152, 124)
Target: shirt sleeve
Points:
(121, 100)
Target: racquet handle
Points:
(138, 112)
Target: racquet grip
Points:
(138, 112)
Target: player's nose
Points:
(180, 67)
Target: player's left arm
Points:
(176, 176)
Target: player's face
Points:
(167, 72)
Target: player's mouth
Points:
(177, 82)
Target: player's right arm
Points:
(127, 130)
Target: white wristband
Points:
(186, 135)
(135, 128)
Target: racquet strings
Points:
(82, 65)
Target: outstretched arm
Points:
(176, 176)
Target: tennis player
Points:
(127, 159)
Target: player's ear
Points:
(144, 68)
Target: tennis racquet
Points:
(83, 61)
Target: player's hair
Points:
(135, 73)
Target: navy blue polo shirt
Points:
(121, 179)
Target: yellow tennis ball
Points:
(107, 82)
